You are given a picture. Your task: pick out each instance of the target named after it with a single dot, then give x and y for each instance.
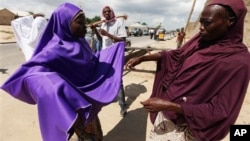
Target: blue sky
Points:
(171, 14)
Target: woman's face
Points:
(107, 13)
(214, 23)
(78, 27)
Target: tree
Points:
(88, 20)
(95, 19)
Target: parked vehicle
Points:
(161, 34)
(145, 32)
(136, 32)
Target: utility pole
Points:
(190, 14)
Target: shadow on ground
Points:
(3, 71)
(132, 91)
(130, 128)
(133, 126)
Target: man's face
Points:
(214, 23)
(78, 27)
(107, 13)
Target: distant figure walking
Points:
(151, 32)
(180, 38)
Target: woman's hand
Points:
(133, 62)
(137, 60)
(157, 104)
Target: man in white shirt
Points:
(113, 30)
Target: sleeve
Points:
(37, 28)
(121, 29)
(21, 28)
(102, 26)
(216, 115)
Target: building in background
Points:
(6, 16)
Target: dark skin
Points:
(106, 13)
(78, 25)
(215, 23)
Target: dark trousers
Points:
(121, 97)
(151, 35)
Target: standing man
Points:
(113, 30)
(151, 32)
(180, 37)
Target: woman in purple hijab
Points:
(201, 87)
(64, 78)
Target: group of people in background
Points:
(154, 34)
(198, 88)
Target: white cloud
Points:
(171, 14)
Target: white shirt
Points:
(28, 31)
(116, 28)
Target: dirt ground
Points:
(18, 121)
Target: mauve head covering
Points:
(239, 9)
(112, 14)
(209, 80)
(65, 79)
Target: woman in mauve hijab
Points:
(203, 84)
(64, 78)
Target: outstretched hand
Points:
(132, 63)
(157, 104)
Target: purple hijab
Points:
(209, 81)
(65, 78)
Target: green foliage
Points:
(95, 19)
(88, 20)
